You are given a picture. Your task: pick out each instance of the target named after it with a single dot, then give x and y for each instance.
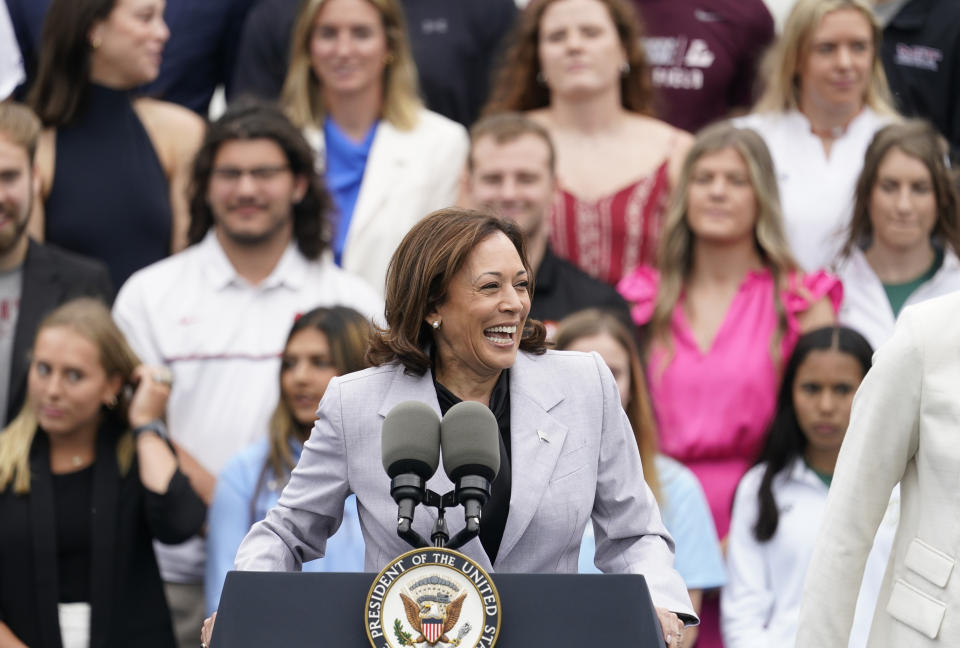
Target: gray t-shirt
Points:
(11, 285)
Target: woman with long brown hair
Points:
(577, 67)
(323, 343)
(904, 237)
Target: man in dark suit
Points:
(34, 278)
(511, 172)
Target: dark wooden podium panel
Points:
(290, 610)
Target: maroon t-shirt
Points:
(703, 56)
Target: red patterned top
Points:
(609, 237)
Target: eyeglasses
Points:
(259, 174)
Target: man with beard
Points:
(511, 173)
(34, 278)
(217, 314)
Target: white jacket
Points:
(760, 604)
(865, 305)
(408, 175)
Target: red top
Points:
(609, 237)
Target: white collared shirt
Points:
(816, 191)
(222, 337)
(866, 307)
(760, 605)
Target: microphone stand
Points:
(476, 488)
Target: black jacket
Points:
(127, 601)
(51, 277)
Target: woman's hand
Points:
(150, 396)
(206, 631)
(672, 628)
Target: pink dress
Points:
(713, 408)
(609, 237)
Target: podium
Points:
(323, 610)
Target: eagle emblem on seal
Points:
(431, 620)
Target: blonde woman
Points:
(87, 481)
(826, 95)
(387, 160)
(723, 311)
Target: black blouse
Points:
(495, 511)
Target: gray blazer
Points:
(574, 458)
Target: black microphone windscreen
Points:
(410, 441)
(470, 438)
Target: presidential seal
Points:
(432, 598)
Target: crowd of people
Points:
(206, 313)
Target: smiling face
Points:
(16, 194)
(903, 207)
(252, 191)
(822, 395)
(306, 369)
(128, 44)
(513, 180)
(837, 64)
(348, 47)
(482, 318)
(721, 203)
(67, 384)
(579, 48)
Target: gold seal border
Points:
(493, 587)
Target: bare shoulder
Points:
(173, 129)
(45, 159)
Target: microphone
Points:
(470, 438)
(410, 452)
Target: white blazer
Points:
(904, 427)
(865, 305)
(573, 459)
(408, 175)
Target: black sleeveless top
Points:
(110, 197)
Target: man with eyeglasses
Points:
(217, 314)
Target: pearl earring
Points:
(436, 324)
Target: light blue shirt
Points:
(228, 521)
(686, 515)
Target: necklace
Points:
(77, 460)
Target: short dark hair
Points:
(63, 75)
(248, 120)
(506, 127)
(419, 275)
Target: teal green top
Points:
(826, 478)
(899, 293)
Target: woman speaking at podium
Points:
(457, 297)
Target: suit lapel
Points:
(536, 439)
(103, 544)
(389, 153)
(44, 530)
(39, 294)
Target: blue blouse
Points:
(229, 520)
(345, 164)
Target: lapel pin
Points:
(543, 436)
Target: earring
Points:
(625, 68)
(436, 324)
(388, 58)
(112, 403)
(96, 42)
(541, 79)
